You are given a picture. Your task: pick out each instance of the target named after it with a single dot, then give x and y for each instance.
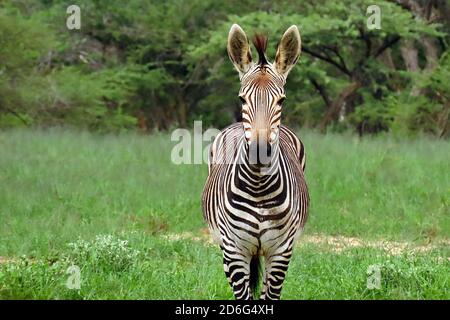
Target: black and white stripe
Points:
(256, 209)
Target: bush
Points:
(373, 116)
(105, 252)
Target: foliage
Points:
(105, 251)
(187, 269)
(22, 42)
(128, 66)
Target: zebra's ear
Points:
(239, 49)
(288, 50)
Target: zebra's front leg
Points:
(276, 266)
(237, 270)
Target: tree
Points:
(22, 42)
(341, 60)
(163, 64)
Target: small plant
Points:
(25, 278)
(105, 252)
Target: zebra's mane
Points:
(260, 43)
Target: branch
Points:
(367, 40)
(336, 106)
(15, 114)
(322, 91)
(335, 50)
(327, 59)
(195, 74)
(386, 44)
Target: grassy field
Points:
(116, 206)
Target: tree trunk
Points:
(431, 52)
(428, 11)
(182, 111)
(336, 106)
(142, 121)
(410, 56)
(443, 121)
(386, 58)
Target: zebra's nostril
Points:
(269, 150)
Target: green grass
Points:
(58, 187)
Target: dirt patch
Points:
(332, 243)
(149, 224)
(340, 243)
(203, 237)
(4, 260)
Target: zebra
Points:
(255, 199)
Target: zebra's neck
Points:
(260, 172)
(263, 187)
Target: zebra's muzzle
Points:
(260, 153)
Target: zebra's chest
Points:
(263, 203)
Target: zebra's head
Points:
(262, 84)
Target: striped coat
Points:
(255, 199)
(245, 220)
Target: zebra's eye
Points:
(281, 100)
(242, 100)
